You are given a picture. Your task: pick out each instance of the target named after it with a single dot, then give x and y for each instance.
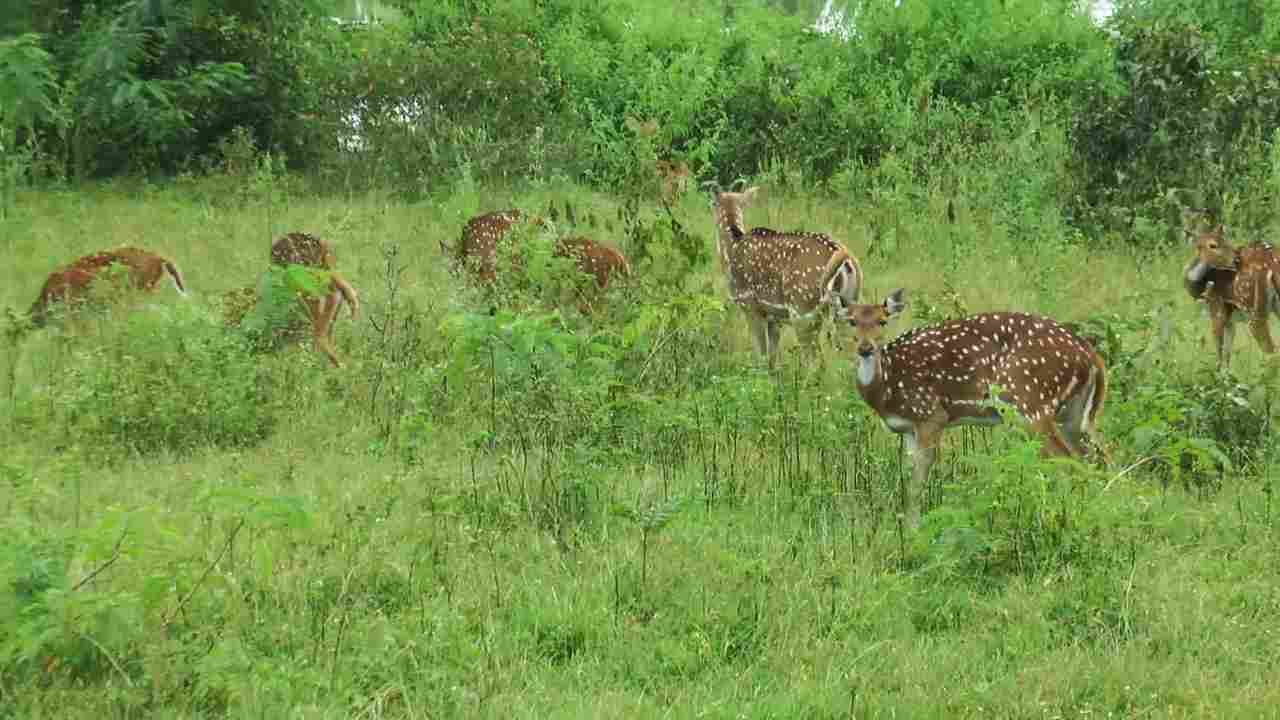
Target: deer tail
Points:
(842, 277)
(1093, 406)
(176, 275)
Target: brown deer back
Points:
(297, 248)
(1254, 283)
(71, 283)
(595, 259)
(1037, 362)
(477, 250)
(782, 274)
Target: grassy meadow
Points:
(537, 514)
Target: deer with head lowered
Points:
(935, 377)
(478, 249)
(143, 270)
(1230, 280)
(778, 277)
(304, 266)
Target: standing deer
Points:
(934, 377)
(1228, 279)
(781, 277)
(70, 284)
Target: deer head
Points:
(932, 378)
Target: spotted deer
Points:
(320, 301)
(477, 250)
(932, 378)
(70, 284)
(778, 277)
(1230, 279)
(298, 248)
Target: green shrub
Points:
(166, 379)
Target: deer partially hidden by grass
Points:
(777, 277)
(935, 377)
(477, 250)
(1230, 280)
(70, 285)
(302, 269)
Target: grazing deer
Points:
(934, 377)
(781, 277)
(320, 292)
(477, 250)
(70, 284)
(601, 262)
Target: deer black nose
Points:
(865, 349)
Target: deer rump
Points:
(791, 276)
(72, 283)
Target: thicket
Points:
(1022, 107)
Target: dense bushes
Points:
(145, 86)
(1173, 103)
(170, 379)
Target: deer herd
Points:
(919, 384)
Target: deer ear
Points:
(896, 302)
(751, 192)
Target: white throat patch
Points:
(867, 369)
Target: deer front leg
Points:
(1223, 333)
(773, 332)
(922, 446)
(759, 327)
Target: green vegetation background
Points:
(536, 513)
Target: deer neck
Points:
(873, 379)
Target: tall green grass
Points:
(530, 513)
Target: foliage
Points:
(144, 85)
(167, 380)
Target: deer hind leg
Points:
(325, 323)
(810, 332)
(1260, 326)
(1054, 444)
